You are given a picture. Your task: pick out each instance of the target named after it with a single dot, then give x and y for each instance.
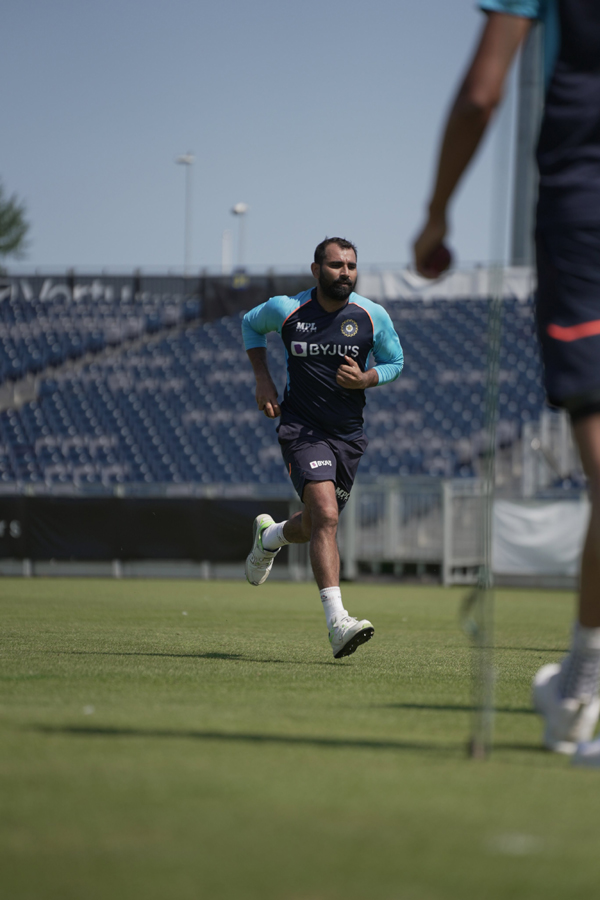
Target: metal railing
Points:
(422, 521)
(550, 456)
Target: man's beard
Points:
(336, 290)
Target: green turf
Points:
(196, 740)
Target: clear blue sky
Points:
(322, 116)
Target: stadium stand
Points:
(178, 408)
(37, 333)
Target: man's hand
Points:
(478, 97)
(266, 398)
(350, 375)
(430, 238)
(266, 392)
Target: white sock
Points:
(331, 598)
(580, 670)
(272, 537)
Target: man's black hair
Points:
(321, 248)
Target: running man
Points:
(328, 333)
(568, 296)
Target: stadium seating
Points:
(36, 333)
(181, 410)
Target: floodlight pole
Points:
(226, 253)
(187, 160)
(529, 116)
(240, 210)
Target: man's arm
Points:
(266, 392)
(478, 97)
(256, 324)
(387, 353)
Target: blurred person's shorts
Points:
(568, 316)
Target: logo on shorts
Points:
(349, 328)
(306, 327)
(320, 462)
(299, 348)
(344, 496)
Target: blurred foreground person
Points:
(329, 333)
(568, 295)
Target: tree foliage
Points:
(13, 225)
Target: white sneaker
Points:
(569, 721)
(588, 754)
(347, 634)
(259, 561)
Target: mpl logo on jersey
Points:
(306, 327)
(316, 463)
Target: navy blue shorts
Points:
(568, 316)
(311, 455)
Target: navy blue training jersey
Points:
(316, 342)
(569, 146)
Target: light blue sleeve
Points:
(387, 352)
(268, 317)
(528, 9)
(547, 12)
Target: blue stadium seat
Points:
(182, 409)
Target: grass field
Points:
(196, 740)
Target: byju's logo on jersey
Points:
(349, 328)
(301, 348)
(306, 327)
(316, 463)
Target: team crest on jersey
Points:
(349, 328)
(306, 327)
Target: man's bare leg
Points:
(297, 528)
(318, 523)
(567, 694)
(587, 435)
(321, 505)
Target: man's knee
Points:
(326, 519)
(587, 436)
(324, 514)
(322, 506)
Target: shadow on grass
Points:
(233, 657)
(457, 707)
(236, 737)
(535, 649)
(528, 748)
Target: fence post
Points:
(446, 533)
(391, 520)
(350, 524)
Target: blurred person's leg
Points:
(587, 435)
(568, 316)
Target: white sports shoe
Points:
(347, 634)
(259, 561)
(588, 754)
(569, 720)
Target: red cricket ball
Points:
(437, 262)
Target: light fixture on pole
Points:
(240, 210)
(187, 160)
(226, 253)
